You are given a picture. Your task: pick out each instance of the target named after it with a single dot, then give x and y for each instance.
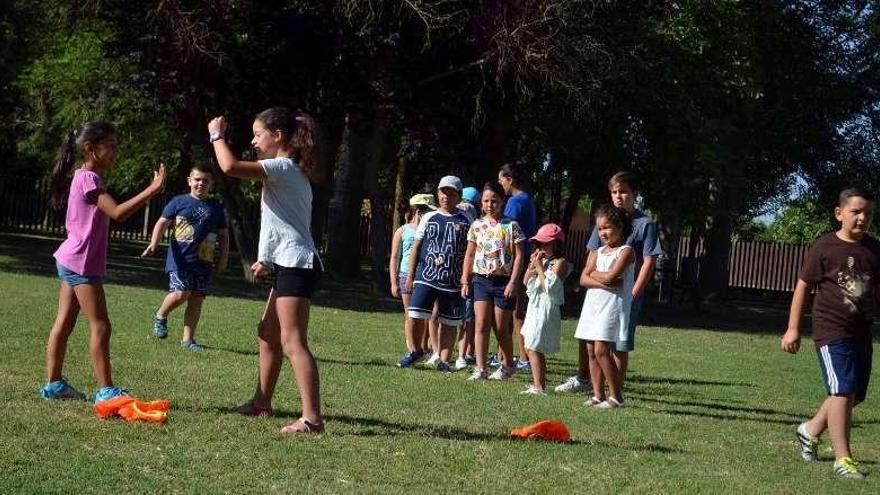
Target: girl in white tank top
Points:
(608, 277)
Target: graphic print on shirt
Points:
(184, 232)
(854, 285)
(444, 255)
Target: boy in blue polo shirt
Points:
(441, 241)
(645, 244)
(198, 224)
(844, 269)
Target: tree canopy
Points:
(715, 104)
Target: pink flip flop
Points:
(302, 425)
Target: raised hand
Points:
(158, 182)
(217, 124)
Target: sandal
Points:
(251, 409)
(302, 425)
(594, 401)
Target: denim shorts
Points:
(189, 281)
(491, 288)
(401, 282)
(73, 279)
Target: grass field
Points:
(707, 411)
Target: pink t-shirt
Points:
(85, 249)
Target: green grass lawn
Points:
(707, 411)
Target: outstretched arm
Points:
(120, 212)
(158, 231)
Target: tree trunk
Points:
(343, 216)
(399, 191)
(719, 230)
(379, 245)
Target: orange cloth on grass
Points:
(132, 409)
(550, 429)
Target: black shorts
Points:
(296, 282)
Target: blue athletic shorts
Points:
(846, 367)
(629, 343)
(421, 304)
(72, 278)
(189, 281)
(491, 288)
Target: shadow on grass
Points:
(726, 412)
(32, 255)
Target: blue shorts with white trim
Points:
(846, 367)
(421, 304)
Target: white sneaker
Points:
(477, 375)
(573, 384)
(531, 390)
(502, 373)
(461, 363)
(433, 360)
(610, 403)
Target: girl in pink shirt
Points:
(82, 257)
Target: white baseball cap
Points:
(450, 181)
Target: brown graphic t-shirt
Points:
(845, 275)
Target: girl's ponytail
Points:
(59, 179)
(302, 138)
(71, 148)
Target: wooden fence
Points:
(24, 206)
(753, 265)
(771, 266)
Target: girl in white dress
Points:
(608, 278)
(543, 280)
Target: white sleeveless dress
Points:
(605, 314)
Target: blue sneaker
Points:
(60, 390)
(493, 361)
(410, 358)
(192, 345)
(160, 327)
(107, 393)
(523, 366)
(443, 367)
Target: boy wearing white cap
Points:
(440, 244)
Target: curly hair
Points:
(618, 217)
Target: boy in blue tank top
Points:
(198, 224)
(440, 244)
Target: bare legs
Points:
(602, 369)
(835, 415)
(283, 331)
(487, 316)
(539, 369)
(191, 315)
(91, 300)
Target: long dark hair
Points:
(71, 149)
(302, 135)
(516, 172)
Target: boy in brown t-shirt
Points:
(844, 269)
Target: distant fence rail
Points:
(24, 205)
(771, 266)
